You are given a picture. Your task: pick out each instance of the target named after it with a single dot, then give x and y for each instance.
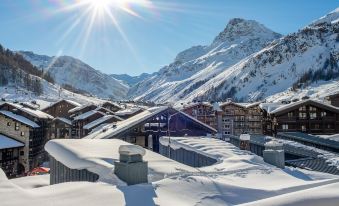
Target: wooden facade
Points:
(60, 108)
(60, 128)
(147, 132)
(114, 107)
(239, 118)
(306, 116)
(78, 130)
(203, 112)
(333, 99)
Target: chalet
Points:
(307, 116)
(81, 109)
(107, 119)
(202, 111)
(129, 112)
(9, 155)
(60, 128)
(83, 119)
(239, 118)
(27, 132)
(112, 106)
(145, 128)
(333, 99)
(61, 108)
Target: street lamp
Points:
(169, 133)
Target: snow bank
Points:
(98, 156)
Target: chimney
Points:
(131, 168)
(274, 154)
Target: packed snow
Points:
(238, 177)
(20, 118)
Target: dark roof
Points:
(295, 105)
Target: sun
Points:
(101, 5)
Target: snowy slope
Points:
(313, 50)
(130, 80)
(195, 66)
(73, 72)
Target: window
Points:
(302, 115)
(316, 126)
(303, 108)
(227, 132)
(313, 115)
(323, 114)
(313, 109)
(22, 133)
(226, 126)
(8, 124)
(329, 126)
(290, 114)
(16, 126)
(285, 126)
(22, 153)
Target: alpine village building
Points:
(28, 127)
(307, 116)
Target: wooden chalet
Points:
(61, 108)
(145, 128)
(83, 119)
(112, 106)
(202, 111)
(61, 128)
(307, 116)
(240, 118)
(81, 109)
(104, 120)
(333, 99)
(129, 112)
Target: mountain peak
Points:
(239, 29)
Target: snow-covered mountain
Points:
(76, 75)
(290, 63)
(194, 67)
(130, 80)
(240, 64)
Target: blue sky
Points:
(151, 40)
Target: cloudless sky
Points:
(142, 43)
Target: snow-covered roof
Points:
(125, 124)
(19, 118)
(269, 107)
(65, 120)
(76, 104)
(128, 111)
(290, 106)
(33, 112)
(6, 142)
(240, 104)
(98, 156)
(193, 104)
(101, 120)
(238, 178)
(136, 119)
(75, 109)
(112, 103)
(87, 114)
